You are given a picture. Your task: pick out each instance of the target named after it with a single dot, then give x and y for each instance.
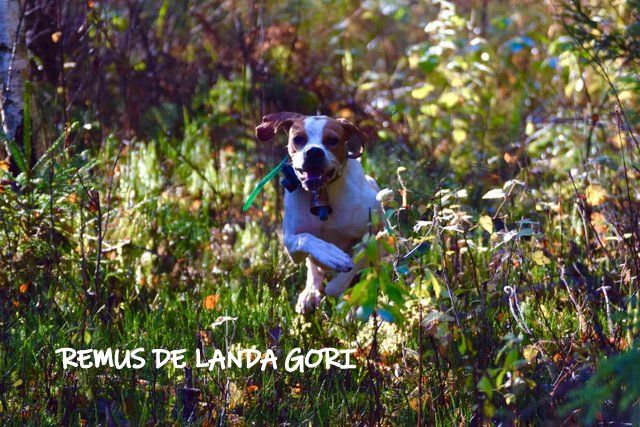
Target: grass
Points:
(170, 269)
(512, 268)
(499, 311)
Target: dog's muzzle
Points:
(313, 168)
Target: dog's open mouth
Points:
(313, 180)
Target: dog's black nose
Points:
(314, 153)
(313, 160)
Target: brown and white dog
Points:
(327, 150)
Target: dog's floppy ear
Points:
(355, 138)
(271, 123)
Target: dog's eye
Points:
(299, 140)
(331, 141)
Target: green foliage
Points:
(501, 287)
(612, 389)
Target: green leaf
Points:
(15, 151)
(525, 232)
(386, 315)
(431, 279)
(44, 159)
(86, 337)
(485, 386)
(363, 313)
(428, 63)
(540, 259)
(262, 183)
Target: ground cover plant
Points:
(504, 133)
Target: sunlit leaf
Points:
(221, 320)
(596, 195)
(486, 223)
(422, 92)
(459, 135)
(539, 258)
(449, 99)
(530, 352)
(496, 193)
(509, 235)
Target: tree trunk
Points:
(12, 68)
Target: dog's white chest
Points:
(352, 212)
(353, 202)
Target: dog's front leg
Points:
(309, 299)
(341, 281)
(323, 253)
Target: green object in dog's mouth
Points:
(262, 183)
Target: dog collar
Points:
(290, 180)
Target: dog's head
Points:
(318, 145)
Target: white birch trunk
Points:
(12, 66)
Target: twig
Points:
(604, 290)
(581, 319)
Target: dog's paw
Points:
(308, 300)
(332, 258)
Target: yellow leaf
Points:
(459, 135)
(529, 129)
(530, 352)
(430, 110)
(596, 195)
(431, 279)
(4, 166)
(235, 395)
(539, 258)
(486, 223)
(449, 99)
(413, 403)
(55, 37)
(422, 92)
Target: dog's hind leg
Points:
(310, 297)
